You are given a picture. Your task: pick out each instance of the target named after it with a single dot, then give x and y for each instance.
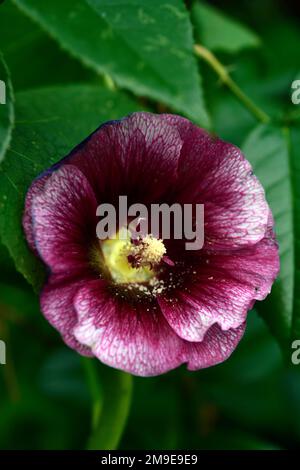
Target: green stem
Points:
(109, 83)
(111, 403)
(221, 71)
(95, 390)
(292, 116)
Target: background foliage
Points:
(69, 65)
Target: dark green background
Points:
(250, 402)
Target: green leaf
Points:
(134, 42)
(218, 32)
(50, 122)
(272, 152)
(6, 108)
(249, 389)
(155, 398)
(25, 44)
(111, 391)
(61, 377)
(295, 183)
(232, 438)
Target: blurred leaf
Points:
(248, 389)
(6, 263)
(216, 31)
(294, 146)
(281, 40)
(236, 439)
(6, 108)
(277, 166)
(258, 355)
(33, 424)
(50, 123)
(292, 389)
(112, 389)
(26, 43)
(61, 377)
(271, 93)
(133, 41)
(22, 303)
(158, 403)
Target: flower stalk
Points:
(111, 392)
(221, 71)
(95, 389)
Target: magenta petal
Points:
(57, 306)
(64, 220)
(216, 174)
(216, 347)
(136, 339)
(223, 290)
(136, 156)
(254, 267)
(35, 189)
(183, 125)
(191, 314)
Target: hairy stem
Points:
(221, 71)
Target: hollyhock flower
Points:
(150, 306)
